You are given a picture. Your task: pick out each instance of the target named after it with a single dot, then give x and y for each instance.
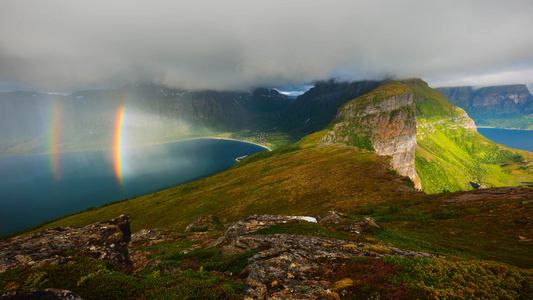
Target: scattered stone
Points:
(363, 226)
(46, 294)
(256, 222)
(204, 223)
(106, 241)
(331, 217)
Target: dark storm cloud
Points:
(240, 44)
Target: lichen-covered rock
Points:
(106, 241)
(363, 225)
(46, 294)
(204, 223)
(301, 267)
(256, 222)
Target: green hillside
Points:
(449, 155)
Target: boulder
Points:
(363, 226)
(331, 217)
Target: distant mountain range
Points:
(407, 120)
(506, 106)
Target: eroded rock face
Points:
(387, 118)
(106, 241)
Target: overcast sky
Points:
(63, 45)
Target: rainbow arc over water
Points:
(118, 142)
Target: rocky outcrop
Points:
(384, 119)
(331, 217)
(287, 265)
(106, 241)
(363, 226)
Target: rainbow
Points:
(54, 142)
(117, 142)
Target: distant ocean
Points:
(517, 139)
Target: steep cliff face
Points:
(493, 99)
(383, 120)
(509, 106)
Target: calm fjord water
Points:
(517, 139)
(30, 192)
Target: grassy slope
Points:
(448, 157)
(314, 180)
(309, 181)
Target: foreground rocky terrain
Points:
(332, 256)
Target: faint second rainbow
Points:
(117, 142)
(54, 140)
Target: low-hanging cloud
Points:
(238, 44)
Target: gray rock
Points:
(362, 226)
(106, 241)
(331, 217)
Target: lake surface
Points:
(517, 139)
(37, 188)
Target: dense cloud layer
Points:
(239, 44)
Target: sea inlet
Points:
(37, 188)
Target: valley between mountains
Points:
(389, 170)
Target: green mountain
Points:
(473, 244)
(407, 120)
(507, 106)
(448, 154)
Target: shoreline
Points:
(491, 127)
(144, 145)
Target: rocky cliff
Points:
(509, 106)
(505, 99)
(383, 120)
